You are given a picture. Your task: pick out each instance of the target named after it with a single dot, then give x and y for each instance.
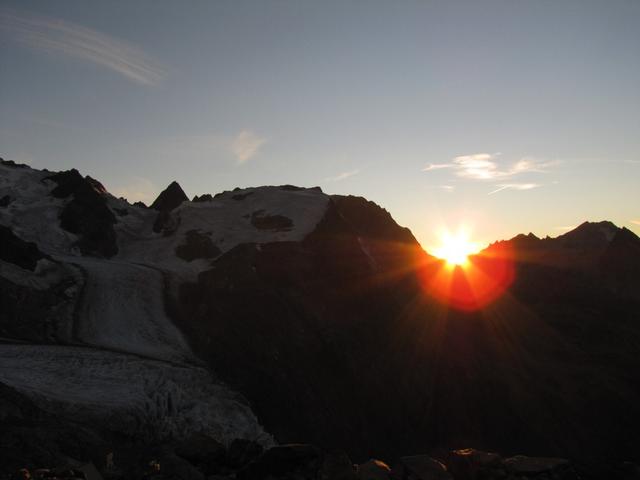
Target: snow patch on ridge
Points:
(135, 372)
(226, 219)
(33, 214)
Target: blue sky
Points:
(507, 117)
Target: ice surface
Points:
(131, 368)
(123, 309)
(126, 393)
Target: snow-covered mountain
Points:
(84, 280)
(282, 314)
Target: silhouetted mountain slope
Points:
(283, 311)
(170, 198)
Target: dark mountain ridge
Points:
(314, 311)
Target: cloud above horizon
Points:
(514, 186)
(60, 37)
(484, 167)
(246, 145)
(342, 176)
(437, 166)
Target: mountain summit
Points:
(170, 198)
(283, 314)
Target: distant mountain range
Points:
(283, 314)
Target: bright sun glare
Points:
(456, 248)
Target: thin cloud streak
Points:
(57, 36)
(514, 186)
(342, 176)
(635, 222)
(483, 166)
(246, 145)
(436, 166)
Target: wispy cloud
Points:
(635, 222)
(514, 186)
(342, 176)
(566, 228)
(58, 36)
(447, 188)
(483, 166)
(437, 166)
(246, 145)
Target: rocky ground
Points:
(200, 457)
(281, 314)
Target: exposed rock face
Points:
(522, 465)
(337, 466)
(311, 322)
(86, 214)
(170, 198)
(203, 452)
(203, 198)
(269, 222)
(339, 320)
(37, 315)
(420, 467)
(241, 196)
(32, 302)
(11, 163)
(16, 251)
(88, 337)
(31, 437)
(97, 186)
(371, 221)
(315, 310)
(589, 235)
(198, 245)
(303, 461)
(200, 458)
(165, 223)
(469, 464)
(373, 470)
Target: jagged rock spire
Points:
(170, 198)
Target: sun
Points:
(456, 248)
(466, 277)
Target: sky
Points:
(503, 117)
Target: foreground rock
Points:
(374, 470)
(531, 466)
(201, 457)
(420, 467)
(314, 308)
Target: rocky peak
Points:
(96, 185)
(170, 198)
(86, 214)
(589, 235)
(370, 220)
